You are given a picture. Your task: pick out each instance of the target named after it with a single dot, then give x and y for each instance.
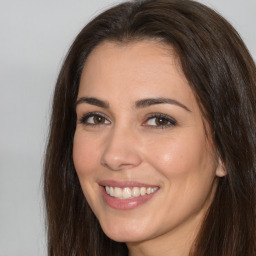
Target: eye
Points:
(159, 121)
(94, 119)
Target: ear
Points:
(220, 170)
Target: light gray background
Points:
(34, 38)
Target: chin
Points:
(125, 237)
(131, 231)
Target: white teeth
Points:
(127, 193)
(118, 192)
(135, 192)
(148, 191)
(111, 191)
(143, 191)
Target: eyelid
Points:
(170, 119)
(86, 116)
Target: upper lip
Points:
(124, 184)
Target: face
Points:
(145, 164)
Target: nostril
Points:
(116, 163)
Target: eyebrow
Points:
(138, 104)
(92, 101)
(154, 101)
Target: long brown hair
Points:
(222, 75)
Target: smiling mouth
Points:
(128, 192)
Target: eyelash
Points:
(165, 118)
(170, 121)
(84, 119)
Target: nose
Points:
(121, 150)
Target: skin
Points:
(128, 144)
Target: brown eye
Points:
(160, 121)
(98, 119)
(94, 119)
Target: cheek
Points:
(84, 155)
(187, 169)
(186, 155)
(85, 162)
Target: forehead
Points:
(134, 70)
(133, 56)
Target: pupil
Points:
(161, 121)
(98, 119)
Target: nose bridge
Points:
(121, 149)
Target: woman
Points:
(152, 141)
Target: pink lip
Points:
(125, 204)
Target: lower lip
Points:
(125, 204)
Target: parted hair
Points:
(222, 75)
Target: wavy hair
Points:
(222, 75)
